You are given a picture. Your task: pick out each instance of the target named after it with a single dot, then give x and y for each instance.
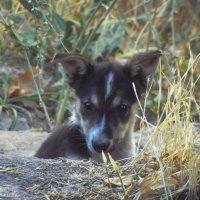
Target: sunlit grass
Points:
(173, 144)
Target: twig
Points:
(41, 102)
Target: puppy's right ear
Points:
(75, 67)
(141, 67)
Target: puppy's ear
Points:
(141, 67)
(75, 67)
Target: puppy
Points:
(105, 107)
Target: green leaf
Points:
(14, 119)
(58, 22)
(26, 38)
(29, 38)
(111, 35)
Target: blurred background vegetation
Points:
(32, 31)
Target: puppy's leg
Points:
(66, 141)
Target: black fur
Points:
(63, 142)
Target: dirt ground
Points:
(21, 143)
(24, 177)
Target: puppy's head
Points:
(106, 102)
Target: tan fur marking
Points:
(94, 100)
(116, 102)
(85, 124)
(127, 128)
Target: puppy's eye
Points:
(88, 106)
(123, 108)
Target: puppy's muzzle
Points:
(101, 145)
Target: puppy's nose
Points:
(101, 145)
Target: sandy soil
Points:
(21, 143)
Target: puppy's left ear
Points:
(141, 67)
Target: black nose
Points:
(102, 145)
